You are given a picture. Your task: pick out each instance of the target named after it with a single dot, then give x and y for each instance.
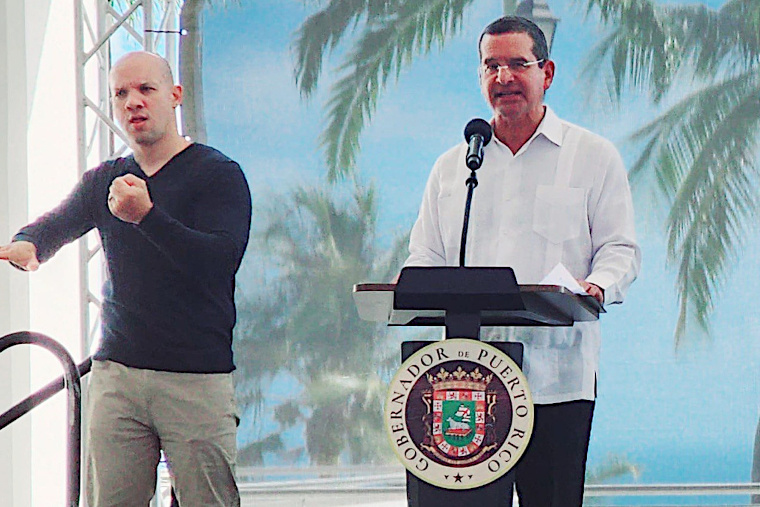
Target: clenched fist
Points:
(128, 199)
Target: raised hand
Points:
(128, 198)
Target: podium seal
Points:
(459, 413)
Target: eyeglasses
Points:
(515, 66)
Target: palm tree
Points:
(703, 151)
(191, 68)
(394, 32)
(613, 467)
(304, 327)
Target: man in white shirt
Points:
(550, 192)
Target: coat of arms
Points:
(460, 406)
(459, 413)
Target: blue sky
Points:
(655, 405)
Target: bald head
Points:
(144, 98)
(150, 62)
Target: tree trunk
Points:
(756, 463)
(191, 70)
(325, 435)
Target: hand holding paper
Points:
(559, 275)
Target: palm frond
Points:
(650, 43)
(680, 128)
(707, 232)
(644, 48)
(320, 33)
(252, 453)
(385, 47)
(702, 151)
(614, 466)
(728, 38)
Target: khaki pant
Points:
(134, 413)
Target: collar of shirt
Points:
(550, 127)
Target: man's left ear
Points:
(548, 74)
(177, 92)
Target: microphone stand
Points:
(471, 182)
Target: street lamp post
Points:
(538, 11)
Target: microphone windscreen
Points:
(478, 126)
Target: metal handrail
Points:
(43, 394)
(70, 380)
(391, 478)
(675, 489)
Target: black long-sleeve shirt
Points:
(168, 302)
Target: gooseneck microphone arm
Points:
(477, 133)
(471, 183)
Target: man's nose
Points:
(133, 101)
(504, 74)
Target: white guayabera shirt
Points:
(564, 197)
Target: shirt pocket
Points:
(559, 213)
(451, 215)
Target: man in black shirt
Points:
(174, 219)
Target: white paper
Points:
(559, 275)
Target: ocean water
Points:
(670, 464)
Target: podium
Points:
(463, 299)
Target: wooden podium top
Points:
(545, 305)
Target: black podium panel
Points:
(496, 494)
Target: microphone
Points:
(478, 134)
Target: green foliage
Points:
(393, 33)
(303, 324)
(702, 151)
(118, 7)
(253, 454)
(613, 467)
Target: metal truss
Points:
(104, 29)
